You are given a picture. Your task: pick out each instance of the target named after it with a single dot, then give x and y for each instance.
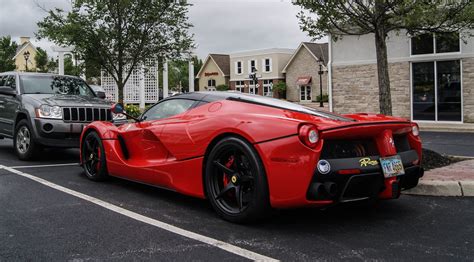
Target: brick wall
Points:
(355, 88)
(468, 89)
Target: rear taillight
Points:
(309, 135)
(415, 130)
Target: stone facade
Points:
(468, 89)
(303, 64)
(355, 89)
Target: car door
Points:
(11, 105)
(3, 124)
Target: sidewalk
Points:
(453, 180)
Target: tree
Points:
(380, 17)
(71, 67)
(119, 35)
(178, 75)
(41, 60)
(7, 52)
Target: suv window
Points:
(9, 81)
(62, 85)
(2, 80)
(168, 108)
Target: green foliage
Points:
(354, 17)
(178, 71)
(119, 35)
(280, 87)
(41, 60)
(222, 87)
(71, 67)
(325, 98)
(133, 110)
(7, 52)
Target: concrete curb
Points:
(443, 188)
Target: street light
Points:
(26, 55)
(320, 73)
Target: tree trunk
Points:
(385, 99)
(120, 87)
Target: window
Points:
(305, 93)
(211, 83)
(240, 86)
(268, 64)
(10, 81)
(435, 43)
(268, 88)
(253, 89)
(253, 66)
(168, 108)
(63, 85)
(437, 91)
(238, 67)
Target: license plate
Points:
(392, 166)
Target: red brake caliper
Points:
(229, 163)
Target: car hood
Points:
(69, 100)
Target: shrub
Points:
(222, 88)
(133, 110)
(325, 98)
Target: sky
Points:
(220, 26)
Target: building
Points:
(20, 61)
(268, 64)
(302, 77)
(214, 72)
(431, 76)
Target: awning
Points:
(303, 80)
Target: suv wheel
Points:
(23, 141)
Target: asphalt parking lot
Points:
(51, 211)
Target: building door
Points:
(437, 91)
(305, 93)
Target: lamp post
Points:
(320, 73)
(26, 55)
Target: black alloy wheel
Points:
(93, 157)
(235, 181)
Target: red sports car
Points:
(248, 154)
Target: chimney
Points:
(24, 39)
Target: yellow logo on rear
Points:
(367, 161)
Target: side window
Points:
(168, 108)
(10, 81)
(2, 80)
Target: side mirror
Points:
(8, 91)
(117, 108)
(101, 94)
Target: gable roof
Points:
(21, 47)
(318, 51)
(222, 61)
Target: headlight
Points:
(415, 131)
(46, 111)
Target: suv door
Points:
(3, 124)
(10, 105)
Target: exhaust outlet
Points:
(331, 189)
(316, 190)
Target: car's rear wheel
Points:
(235, 181)
(24, 142)
(93, 157)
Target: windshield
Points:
(54, 84)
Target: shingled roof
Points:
(223, 62)
(318, 50)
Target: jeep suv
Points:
(46, 110)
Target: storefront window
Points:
(449, 90)
(252, 88)
(268, 88)
(437, 98)
(442, 43)
(239, 86)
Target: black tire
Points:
(93, 157)
(24, 142)
(235, 181)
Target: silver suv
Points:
(46, 110)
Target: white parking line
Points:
(51, 165)
(179, 231)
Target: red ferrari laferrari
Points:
(248, 154)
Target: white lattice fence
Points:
(145, 77)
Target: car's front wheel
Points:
(93, 157)
(24, 143)
(235, 181)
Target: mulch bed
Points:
(432, 159)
